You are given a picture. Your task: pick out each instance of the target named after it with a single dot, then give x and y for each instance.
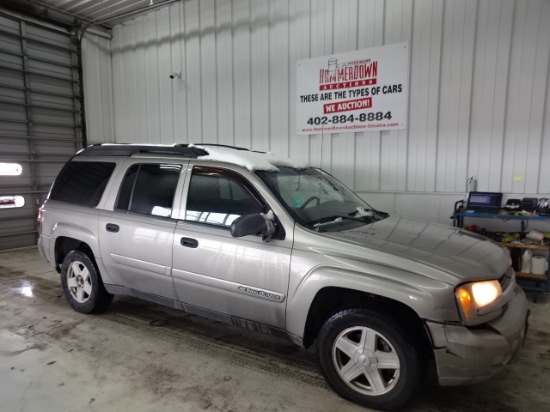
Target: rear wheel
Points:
(369, 359)
(82, 284)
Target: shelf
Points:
(525, 246)
(542, 282)
(502, 216)
(524, 275)
(530, 276)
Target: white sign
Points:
(354, 91)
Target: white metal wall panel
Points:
(241, 72)
(193, 82)
(370, 33)
(394, 154)
(224, 75)
(280, 66)
(345, 38)
(478, 86)
(98, 84)
(455, 95)
(494, 30)
(424, 88)
(320, 45)
(299, 37)
(526, 98)
(167, 29)
(209, 69)
(259, 73)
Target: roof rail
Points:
(229, 147)
(131, 149)
(221, 145)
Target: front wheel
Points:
(369, 359)
(82, 283)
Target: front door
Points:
(245, 278)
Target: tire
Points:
(82, 284)
(353, 344)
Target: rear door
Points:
(245, 278)
(136, 236)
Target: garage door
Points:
(39, 121)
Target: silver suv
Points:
(284, 249)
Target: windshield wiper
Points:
(370, 212)
(329, 220)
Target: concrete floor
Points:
(143, 357)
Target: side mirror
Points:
(255, 224)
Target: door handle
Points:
(188, 242)
(111, 227)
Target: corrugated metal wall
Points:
(479, 88)
(98, 87)
(39, 118)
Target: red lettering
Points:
(348, 85)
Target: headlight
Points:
(476, 295)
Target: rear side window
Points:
(82, 183)
(149, 189)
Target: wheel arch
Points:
(408, 297)
(73, 237)
(331, 300)
(64, 244)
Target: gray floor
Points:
(142, 357)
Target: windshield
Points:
(319, 201)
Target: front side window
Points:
(82, 183)
(149, 189)
(218, 197)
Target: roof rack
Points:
(222, 145)
(229, 147)
(131, 149)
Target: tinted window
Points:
(219, 197)
(82, 183)
(149, 189)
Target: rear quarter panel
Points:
(65, 220)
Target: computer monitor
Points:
(489, 201)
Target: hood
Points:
(460, 254)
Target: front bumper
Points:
(466, 355)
